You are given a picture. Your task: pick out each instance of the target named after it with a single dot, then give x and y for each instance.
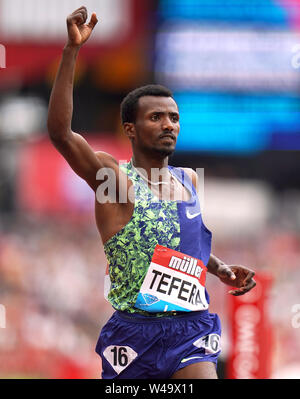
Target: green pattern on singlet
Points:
(130, 251)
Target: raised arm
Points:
(73, 146)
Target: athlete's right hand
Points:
(78, 30)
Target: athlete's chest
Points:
(171, 191)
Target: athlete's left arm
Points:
(237, 276)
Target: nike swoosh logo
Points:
(190, 358)
(192, 215)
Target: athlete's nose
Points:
(167, 124)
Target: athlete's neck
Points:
(148, 164)
(141, 161)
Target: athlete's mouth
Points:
(168, 135)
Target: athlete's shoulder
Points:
(192, 175)
(106, 157)
(189, 172)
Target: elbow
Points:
(57, 132)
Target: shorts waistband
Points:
(138, 318)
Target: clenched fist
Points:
(78, 30)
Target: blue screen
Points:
(229, 64)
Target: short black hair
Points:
(129, 104)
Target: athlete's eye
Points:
(155, 117)
(175, 118)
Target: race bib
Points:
(174, 282)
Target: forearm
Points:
(61, 100)
(214, 264)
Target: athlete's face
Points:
(157, 125)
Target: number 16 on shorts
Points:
(119, 357)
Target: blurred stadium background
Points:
(234, 66)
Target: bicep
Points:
(82, 158)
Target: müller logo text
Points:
(2, 56)
(186, 265)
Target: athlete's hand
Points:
(78, 30)
(237, 276)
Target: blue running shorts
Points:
(138, 347)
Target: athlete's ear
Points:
(129, 130)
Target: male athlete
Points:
(156, 243)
